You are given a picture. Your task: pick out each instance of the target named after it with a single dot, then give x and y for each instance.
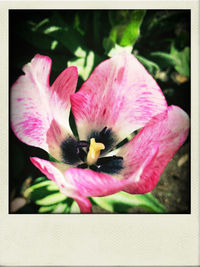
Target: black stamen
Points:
(82, 166)
(83, 144)
(69, 151)
(72, 150)
(105, 136)
(81, 153)
(110, 165)
(103, 131)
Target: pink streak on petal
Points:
(65, 84)
(34, 104)
(54, 171)
(62, 88)
(120, 74)
(119, 94)
(46, 168)
(147, 154)
(91, 183)
(30, 114)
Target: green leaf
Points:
(64, 33)
(126, 26)
(51, 158)
(182, 65)
(74, 208)
(164, 59)
(51, 199)
(54, 44)
(34, 37)
(151, 66)
(44, 191)
(46, 209)
(60, 208)
(132, 31)
(41, 184)
(37, 26)
(84, 62)
(40, 179)
(77, 24)
(122, 201)
(180, 60)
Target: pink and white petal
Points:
(56, 172)
(148, 153)
(79, 183)
(91, 183)
(62, 88)
(36, 108)
(119, 94)
(30, 110)
(53, 171)
(59, 129)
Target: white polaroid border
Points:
(99, 240)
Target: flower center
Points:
(89, 153)
(94, 151)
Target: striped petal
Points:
(39, 113)
(91, 183)
(148, 153)
(120, 94)
(79, 183)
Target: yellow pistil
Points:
(94, 151)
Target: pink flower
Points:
(118, 98)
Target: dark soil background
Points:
(159, 29)
(173, 188)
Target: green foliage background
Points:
(160, 39)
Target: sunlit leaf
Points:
(40, 179)
(126, 26)
(51, 199)
(47, 209)
(84, 62)
(51, 29)
(42, 189)
(60, 208)
(122, 201)
(74, 208)
(54, 44)
(39, 184)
